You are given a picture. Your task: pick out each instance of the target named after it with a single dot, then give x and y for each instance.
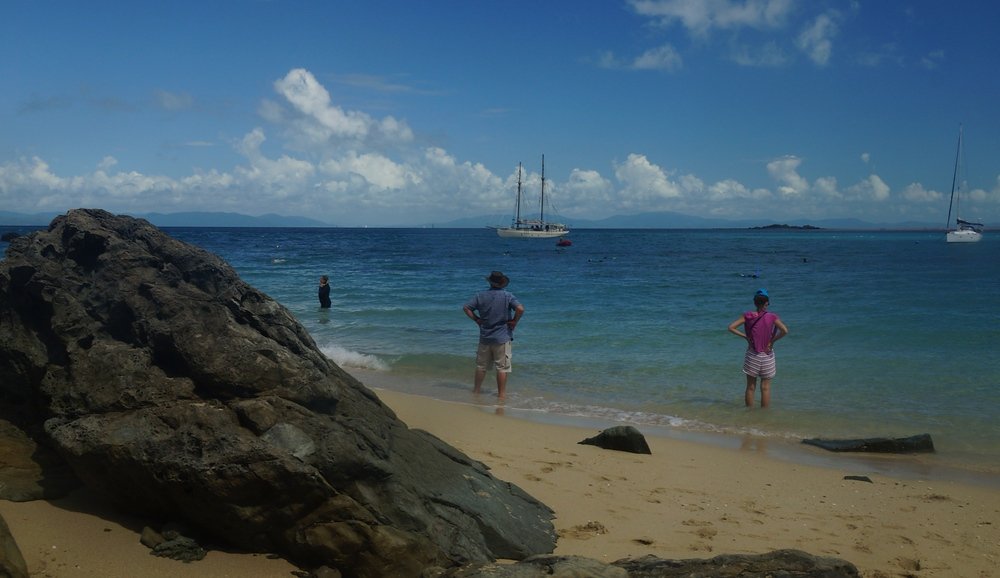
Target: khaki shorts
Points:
(495, 354)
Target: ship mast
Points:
(541, 211)
(954, 179)
(517, 209)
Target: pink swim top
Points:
(759, 329)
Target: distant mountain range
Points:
(672, 220)
(655, 220)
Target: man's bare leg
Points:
(478, 381)
(501, 384)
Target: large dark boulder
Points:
(623, 438)
(183, 394)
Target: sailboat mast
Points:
(517, 208)
(541, 210)
(954, 178)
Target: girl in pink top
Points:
(762, 328)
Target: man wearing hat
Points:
(496, 311)
(761, 328)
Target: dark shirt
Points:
(324, 296)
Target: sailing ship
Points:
(531, 228)
(964, 231)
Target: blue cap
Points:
(761, 292)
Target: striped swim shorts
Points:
(759, 364)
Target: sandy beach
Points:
(686, 500)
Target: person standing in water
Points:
(761, 329)
(496, 311)
(324, 292)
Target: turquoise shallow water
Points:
(891, 333)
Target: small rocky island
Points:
(777, 227)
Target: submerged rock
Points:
(180, 392)
(776, 564)
(914, 444)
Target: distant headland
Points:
(649, 220)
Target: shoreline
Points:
(691, 499)
(688, 499)
(925, 466)
(914, 467)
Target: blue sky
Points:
(379, 113)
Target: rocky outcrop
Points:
(12, 563)
(914, 444)
(624, 438)
(776, 564)
(183, 394)
(170, 543)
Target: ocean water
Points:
(892, 334)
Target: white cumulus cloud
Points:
(917, 193)
(302, 91)
(701, 16)
(816, 41)
(312, 123)
(785, 171)
(588, 187)
(644, 183)
(872, 188)
(661, 58)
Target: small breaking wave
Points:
(657, 421)
(346, 358)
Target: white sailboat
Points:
(964, 231)
(531, 228)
